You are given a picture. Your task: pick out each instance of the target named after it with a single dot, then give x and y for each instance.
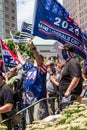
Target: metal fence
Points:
(20, 125)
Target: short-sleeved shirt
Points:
(70, 70)
(6, 96)
(35, 80)
(51, 88)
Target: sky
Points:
(25, 10)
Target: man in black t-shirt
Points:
(71, 79)
(6, 98)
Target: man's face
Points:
(50, 67)
(64, 54)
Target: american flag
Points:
(26, 30)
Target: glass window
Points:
(0, 29)
(12, 10)
(79, 1)
(6, 16)
(6, 1)
(1, 14)
(6, 8)
(85, 18)
(7, 31)
(1, 1)
(0, 6)
(0, 21)
(13, 18)
(13, 25)
(1, 36)
(7, 23)
(12, 3)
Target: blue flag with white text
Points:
(52, 21)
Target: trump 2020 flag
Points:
(10, 59)
(52, 21)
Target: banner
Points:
(52, 21)
(10, 59)
(19, 39)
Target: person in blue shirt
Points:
(34, 84)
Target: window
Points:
(7, 23)
(84, 4)
(7, 31)
(13, 25)
(0, 36)
(0, 29)
(6, 16)
(1, 1)
(85, 18)
(79, 7)
(0, 22)
(6, 1)
(6, 8)
(13, 18)
(12, 10)
(1, 14)
(79, 1)
(12, 3)
(0, 6)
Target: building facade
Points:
(78, 10)
(45, 47)
(8, 18)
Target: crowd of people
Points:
(42, 79)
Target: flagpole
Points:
(33, 20)
(2, 57)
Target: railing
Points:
(26, 108)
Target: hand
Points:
(67, 93)
(31, 43)
(17, 48)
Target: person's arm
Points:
(35, 53)
(6, 108)
(6, 78)
(20, 58)
(83, 76)
(54, 80)
(72, 85)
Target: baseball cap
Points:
(68, 47)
